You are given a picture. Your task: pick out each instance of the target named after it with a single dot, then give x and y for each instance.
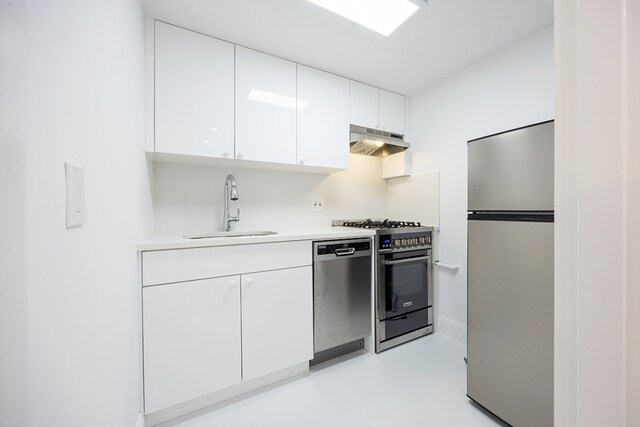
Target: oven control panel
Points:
(404, 240)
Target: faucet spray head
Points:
(230, 182)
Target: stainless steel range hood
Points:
(374, 142)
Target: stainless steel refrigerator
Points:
(510, 275)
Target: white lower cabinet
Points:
(206, 334)
(191, 339)
(277, 320)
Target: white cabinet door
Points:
(277, 320)
(265, 107)
(191, 340)
(323, 122)
(391, 112)
(193, 93)
(364, 105)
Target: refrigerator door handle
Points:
(447, 266)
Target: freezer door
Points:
(512, 171)
(510, 320)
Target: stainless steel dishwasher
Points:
(341, 296)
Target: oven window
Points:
(406, 287)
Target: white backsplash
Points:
(189, 198)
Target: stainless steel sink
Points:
(216, 234)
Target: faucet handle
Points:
(235, 218)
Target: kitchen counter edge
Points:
(167, 243)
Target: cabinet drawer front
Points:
(179, 265)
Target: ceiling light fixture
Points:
(382, 16)
(276, 99)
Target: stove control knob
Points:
(404, 242)
(414, 241)
(396, 242)
(421, 240)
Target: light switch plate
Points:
(74, 178)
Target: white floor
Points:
(421, 383)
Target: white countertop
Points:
(298, 233)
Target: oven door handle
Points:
(406, 260)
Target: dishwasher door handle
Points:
(345, 251)
(406, 260)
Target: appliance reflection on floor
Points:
(419, 383)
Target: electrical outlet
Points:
(317, 204)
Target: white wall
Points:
(632, 103)
(597, 345)
(189, 198)
(71, 293)
(13, 294)
(512, 88)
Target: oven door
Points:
(403, 282)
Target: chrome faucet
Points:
(230, 192)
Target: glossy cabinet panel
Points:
(277, 320)
(376, 108)
(323, 122)
(391, 112)
(364, 105)
(177, 265)
(194, 79)
(207, 98)
(266, 106)
(191, 340)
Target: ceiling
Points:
(441, 38)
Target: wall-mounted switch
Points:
(74, 177)
(317, 204)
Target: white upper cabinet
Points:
(209, 99)
(194, 78)
(364, 105)
(376, 108)
(391, 112)
(266, 105)
(323, 119)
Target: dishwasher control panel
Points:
(333, 248)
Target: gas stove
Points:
(393, 235)
(376, 224)
(403, 279)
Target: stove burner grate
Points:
(369, 223)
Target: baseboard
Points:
(452, 329)
(225, 395)
(140, 422)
